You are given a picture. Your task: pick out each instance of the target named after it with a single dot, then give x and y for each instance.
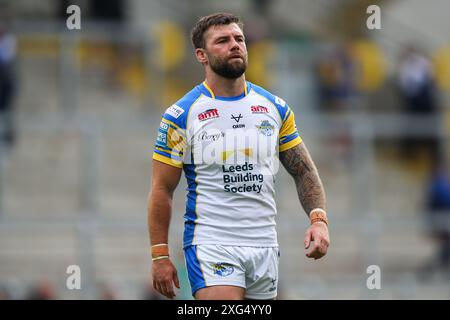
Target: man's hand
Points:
(164, 276)
(317, 232)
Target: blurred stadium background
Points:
(77, 139)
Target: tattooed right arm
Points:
(300, 166)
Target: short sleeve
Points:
(289, 136)
(171, 141)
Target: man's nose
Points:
(234, 44)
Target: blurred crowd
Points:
(7, 86)
(338, 76)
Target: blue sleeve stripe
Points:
(167, 155)
(164, 148)
(288, 138)
(175, 128)
(288, 114)
(171, 151)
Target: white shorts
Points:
(252, 268)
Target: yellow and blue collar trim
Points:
(208, 92)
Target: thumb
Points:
(307, 240)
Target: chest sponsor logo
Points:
(259, 109)
(242, 179)
(210, 136)
(208, 114)
(237, 119)
(175, 111)
(266, 128)
(163, 130)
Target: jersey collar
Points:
(206, 90)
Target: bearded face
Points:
(225, 51)
(231, 67)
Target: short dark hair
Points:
(204, 23)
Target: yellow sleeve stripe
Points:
(290, 144)
(171, 123)
(287, 115)
(288, 126)
(174, 152)
(169, 161)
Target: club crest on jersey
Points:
(259, 109)
(266, 128)
(208, 114)
(222, 269)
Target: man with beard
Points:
(227, 134)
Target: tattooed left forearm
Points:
(300, 166)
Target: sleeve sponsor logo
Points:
(164, 126)
(175, 111)
(161, 140)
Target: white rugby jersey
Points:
(228, 148)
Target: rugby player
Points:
(228, 135)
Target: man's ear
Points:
(201, 56)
